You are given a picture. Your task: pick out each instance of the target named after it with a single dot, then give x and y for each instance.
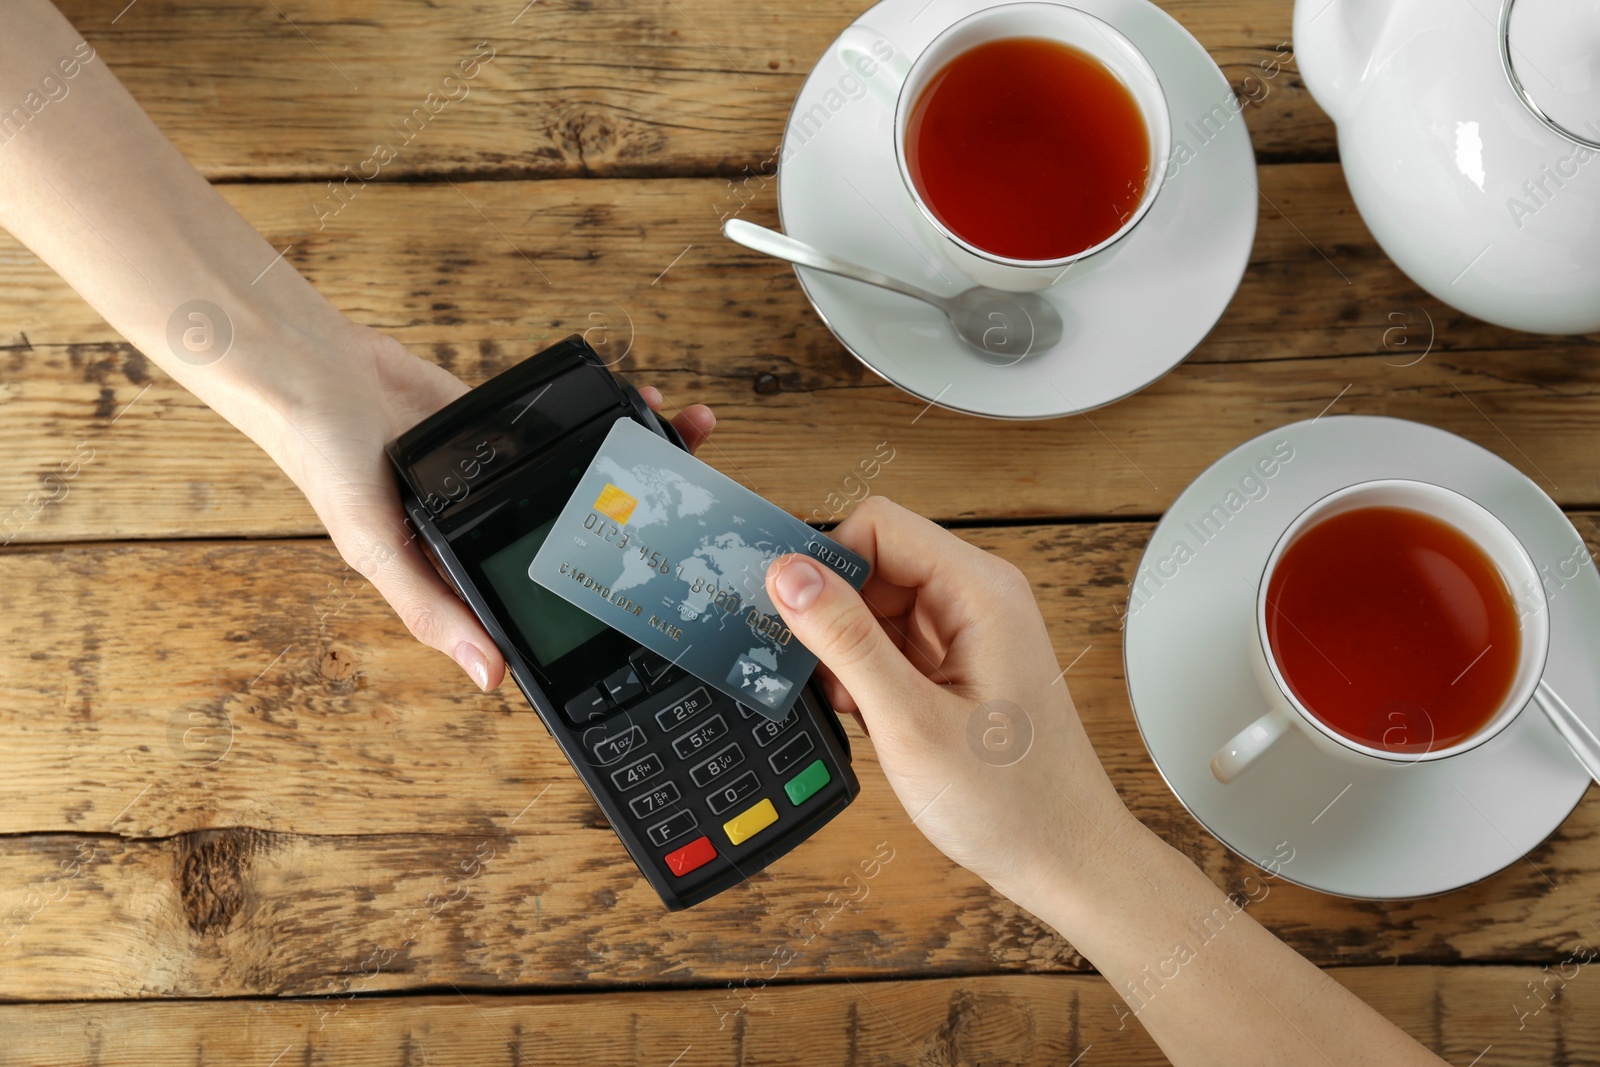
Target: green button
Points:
(807, 782)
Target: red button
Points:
(696, 853)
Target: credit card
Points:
(674, 554)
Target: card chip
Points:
(613, 503)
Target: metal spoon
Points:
(1573, 730)
(992, 321)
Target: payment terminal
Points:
(702, 790)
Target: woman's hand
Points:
(321, 394)
(945, 643)
(945, 660)
(332, 445)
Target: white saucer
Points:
(1356, 830)
(1132, 312)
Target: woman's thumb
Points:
(831, 619)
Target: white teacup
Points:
(1285, 711)
(1055, 22)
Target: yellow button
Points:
(750, 821)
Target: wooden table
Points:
(233, 789)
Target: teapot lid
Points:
(1549, 52)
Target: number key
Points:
(662, 796)
(718, 765)
(699, 737)
(612, 748)
(684, 710)
(638, 771)
(727, 796)
(767, 731)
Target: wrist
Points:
(270, 361)
(1099, 859)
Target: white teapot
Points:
(1469, 131)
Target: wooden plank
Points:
(263, 781)
(626, 88)
(502, 265)
(254, 913)
(731, 328)
(1458, 1012)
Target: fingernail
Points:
(473, 663)
(798, 583)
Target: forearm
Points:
(99, 194)
(1209, 983)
